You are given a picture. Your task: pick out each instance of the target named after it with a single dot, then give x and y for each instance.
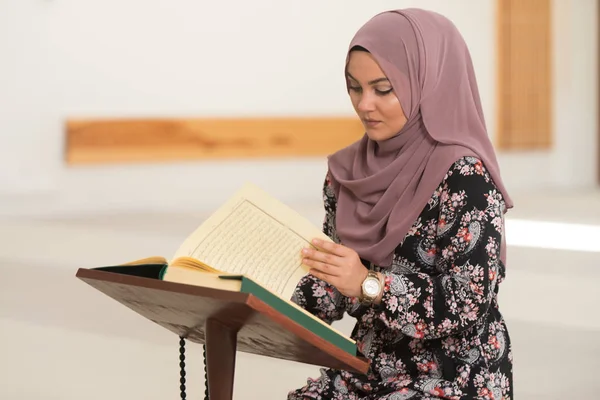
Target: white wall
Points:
(66, 58)
(576, 102)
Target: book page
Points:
(255, 235)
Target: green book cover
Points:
(318, 328)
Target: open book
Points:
(253, 244)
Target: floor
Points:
(60, 335)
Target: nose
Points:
(366, 103)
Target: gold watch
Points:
(371, 287)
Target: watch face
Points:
(371, 287)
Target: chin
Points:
(377, 135)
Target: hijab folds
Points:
(382, 187)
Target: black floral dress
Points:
(438, 332)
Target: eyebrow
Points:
(373, 82)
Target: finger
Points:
(321, 267)
(324, 277)
(331, 247)
(327, 258)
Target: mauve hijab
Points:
(382, 187)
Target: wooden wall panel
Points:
(525, 74)
(154, 140)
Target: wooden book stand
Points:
(224, 322)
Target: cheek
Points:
(393, 113)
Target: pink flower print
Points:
(392, 303)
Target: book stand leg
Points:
(220, 341)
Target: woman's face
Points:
(373, 97)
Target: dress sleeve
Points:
(314, 295)
(467, 251)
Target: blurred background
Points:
(124, 123)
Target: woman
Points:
(415, 209)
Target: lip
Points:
(371, 122)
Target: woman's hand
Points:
(337, 265)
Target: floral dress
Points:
(438, 332)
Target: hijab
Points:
(382, 187)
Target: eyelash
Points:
(379, 92)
